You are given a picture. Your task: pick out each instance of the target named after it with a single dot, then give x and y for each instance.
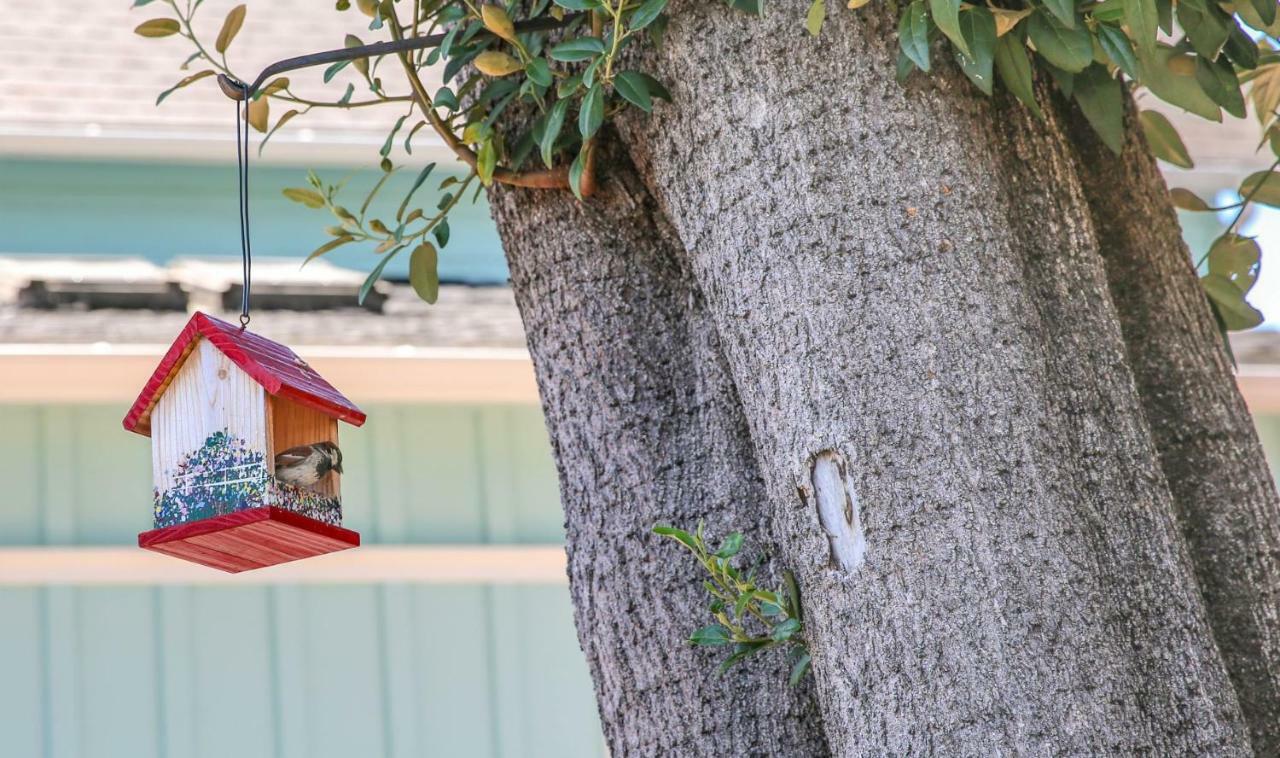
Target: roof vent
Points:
(47, 282)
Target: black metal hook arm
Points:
(237, 90)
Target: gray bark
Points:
(645, 427)
(907, 287)
(1225, 497)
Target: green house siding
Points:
(160, 211)
(293, 671)
(415, 474)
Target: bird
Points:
(306, 465)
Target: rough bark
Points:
(645, 427)
(908, 291)
(1222, 488)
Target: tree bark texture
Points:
(645, 427)
(908, 289)
(1222, 488)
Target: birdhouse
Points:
(222, 404)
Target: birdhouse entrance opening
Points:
(291, 424)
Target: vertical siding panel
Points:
(62, 630)
(22, 453)
(360, 501)
(22, 694)
(118, 683)
(341, 641)
(112, 501)
(440, 496)
(178, 686)
(455, 698)
(62, 460)
(233, 673)
(399, 671)
(291, 711)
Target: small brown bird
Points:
(306, 465)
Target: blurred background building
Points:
(450, 633)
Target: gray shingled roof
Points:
(463, 317)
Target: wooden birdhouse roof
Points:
(277, 368)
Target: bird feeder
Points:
(219, 407)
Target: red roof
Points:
(277, 368)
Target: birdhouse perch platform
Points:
(222, 403)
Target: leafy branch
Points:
(748, 618)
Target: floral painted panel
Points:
(307, 503)
(225, 475)
(222, 476)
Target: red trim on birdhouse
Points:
(249, 539)
(277, 368)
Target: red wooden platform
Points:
(249, 539)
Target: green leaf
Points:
(375, 275)
(1143, 20)
(654, 87)
(770, 608)
(1069, 49)
(1015, 71)
(423, 273)
(1265, 9)
(1187, 200)
(712, 635)
(578, 5)
(1205, 26)
(785, 630)
(283, 120)
(979, 28)
(946, 14)
(1219, 82)
(1262, 187)
(361, 64)
(445, 99)
(580, 49)
(230, 28)
(486, 161)
(799, 668)
(422, 177)
(333, 70)
(184, 82)
(913, 34)
(157, 27)
(441, 232)
(337, 242)
(631, 85)
(1163, 139)
(555, 122)
(591, 112)
(1101, 99)
(679, 535)
(539, 72)
(1236, 312)
(1241, 48)
(1175, 88)
(1117, 47)
(386, 144)
(731, 545)
(733, 660)
(817, 14)
(1063, 10)
(309, 198)
(576, 170)
(1236, 258)
(646, 13)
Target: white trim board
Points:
(103, 372)
(436, 564)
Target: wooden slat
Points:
(245, 540)
(450, 565)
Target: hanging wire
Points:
(242, 184)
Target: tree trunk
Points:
(907, 286)
(645, 427)
(1222, 488)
